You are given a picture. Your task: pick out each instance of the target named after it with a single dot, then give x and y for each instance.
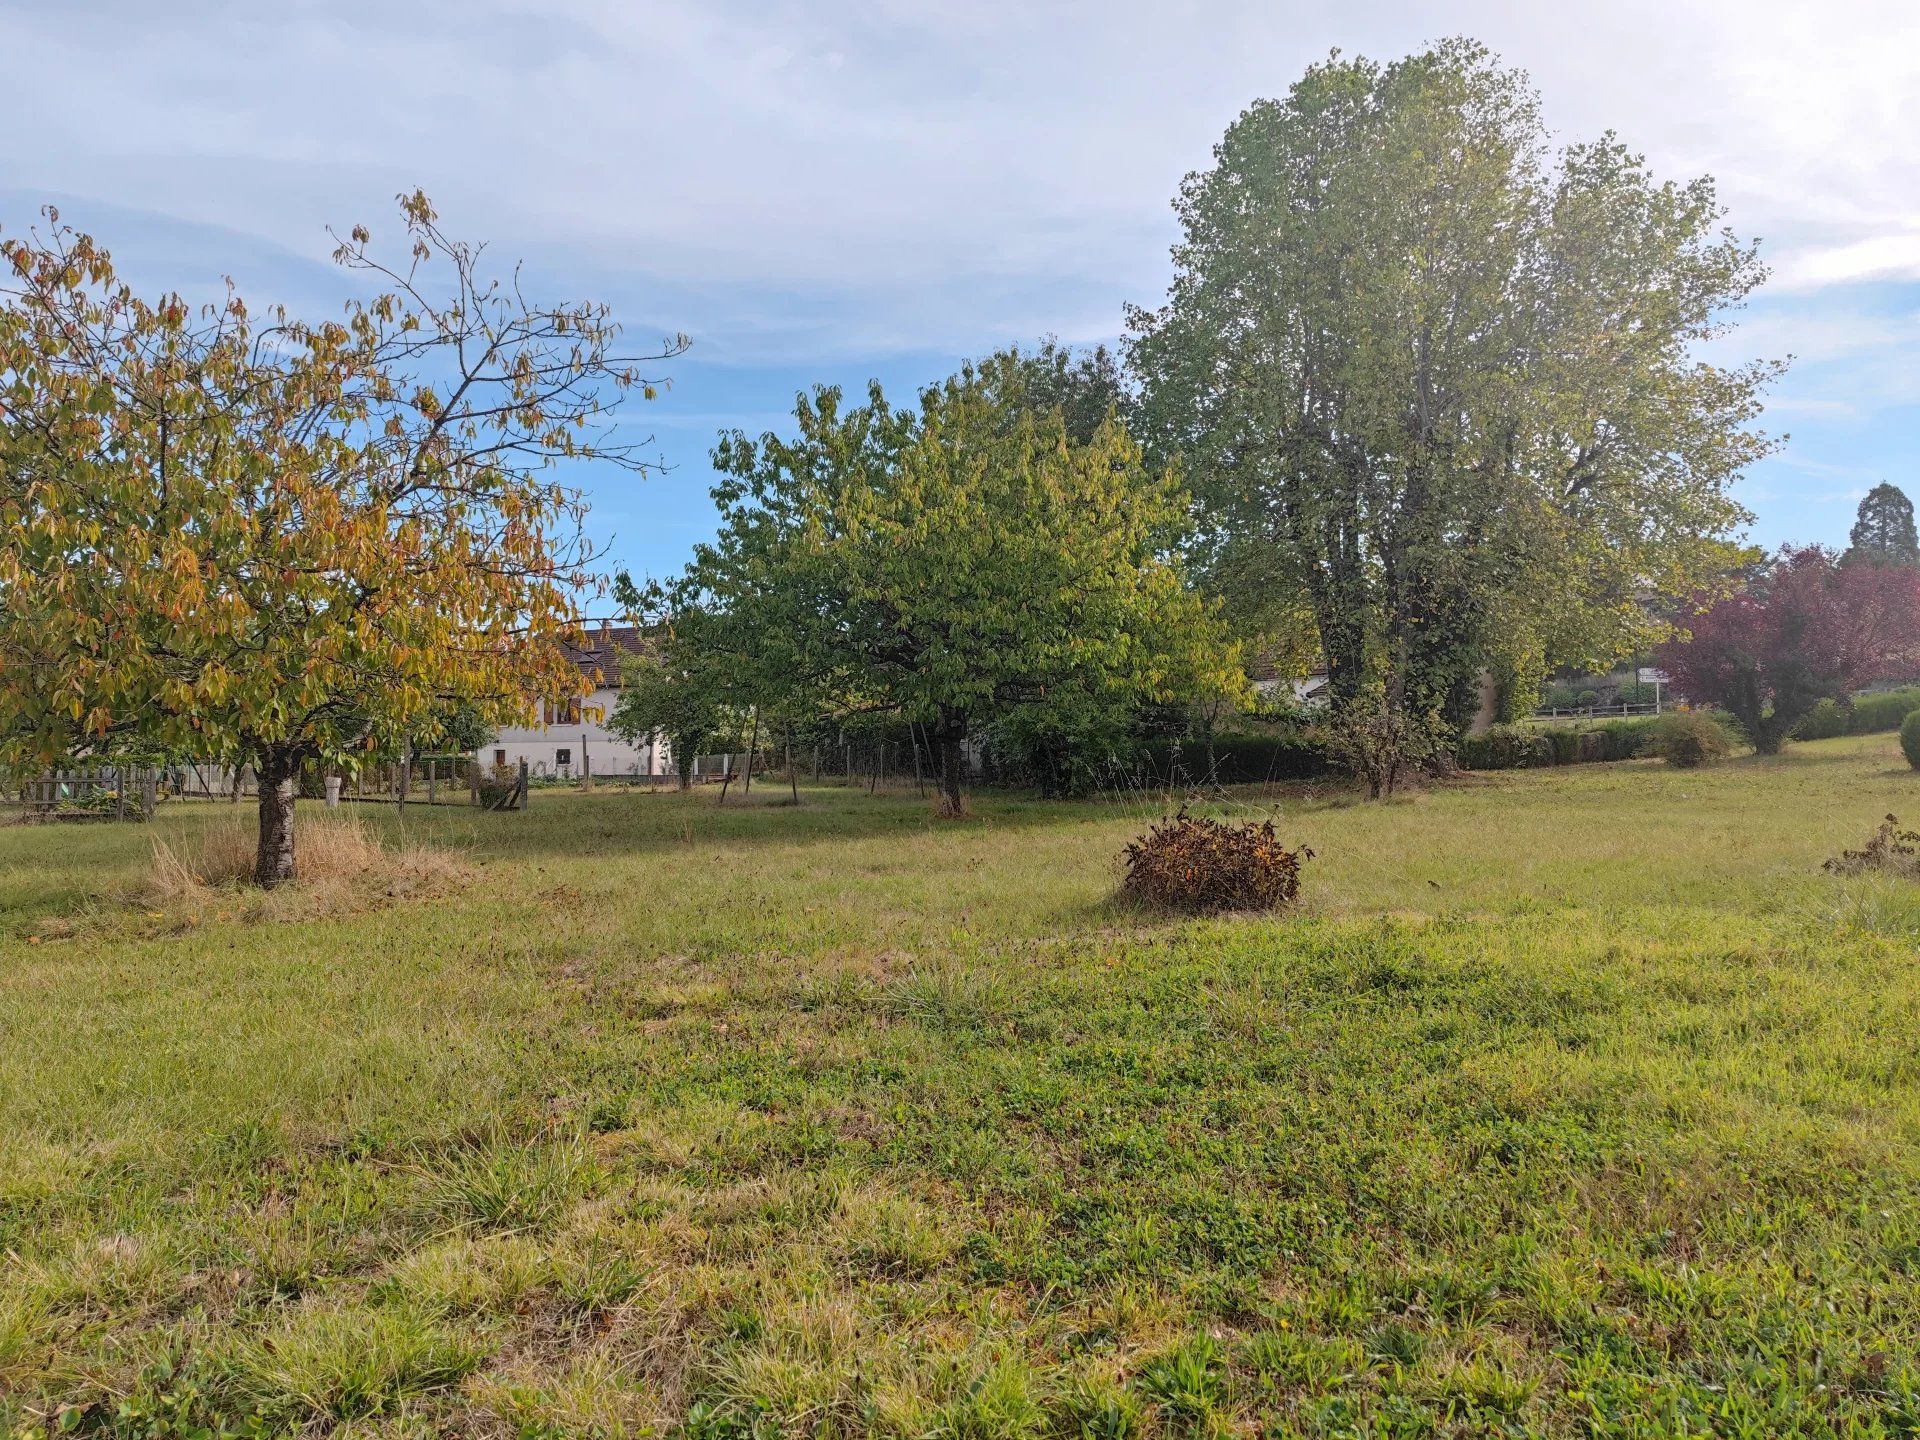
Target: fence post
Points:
(523, 782)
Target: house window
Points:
(573, 711)
(563, 756)
(499, 757)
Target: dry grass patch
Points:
(1892, 849)
(340, 867)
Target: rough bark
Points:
(273, 860)
(953, 762)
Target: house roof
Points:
(600, 649)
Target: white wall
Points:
(584, 742)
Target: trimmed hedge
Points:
(1526, 747)
(1870, 714)
(1235, 760)
(1910, 739)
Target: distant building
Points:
(568, 737)
(1270, 682)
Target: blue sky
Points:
(832, 191)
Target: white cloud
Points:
(1879, 257)
(840, 174)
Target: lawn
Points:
(1574, 1102)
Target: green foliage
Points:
(1187, 1383)
(1380, 742)
(1910, 738)
(1235, 759)
(1883, 530)
(501, 1183)
(331, 1365)
(1882, 710)
(1867, 714)
(1559, 697)
(1688, 739)
(1198, 865)
(1517, 689)
(1826, 721)
(1510, 747)
(1518, 747)
(676, 688)
(969, 566)
(1444, 388)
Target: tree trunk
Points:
(953, 761)
(753, 744)
(273, 861)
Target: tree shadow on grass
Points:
(669, 823)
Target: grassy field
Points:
(1572, 1103)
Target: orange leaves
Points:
(314, 532)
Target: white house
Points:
(570, 737)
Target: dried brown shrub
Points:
(1889, 848)
(1199, 865)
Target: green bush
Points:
(1882, 710)
(1559, 697)
(1687, 739)
(1565, 743)
(1869, 714)
(1824, 722)
(1508, 747)
(1587, 699)
(1624, 739)
(1522, 747)
(1910, 739)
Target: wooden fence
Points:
(101, 792)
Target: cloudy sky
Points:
(830, 191)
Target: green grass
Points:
(1574, 1102)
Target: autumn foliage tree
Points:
(1806, 629)
(265, 540)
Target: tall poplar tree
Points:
(1443, 384)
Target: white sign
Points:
(1650, 676)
